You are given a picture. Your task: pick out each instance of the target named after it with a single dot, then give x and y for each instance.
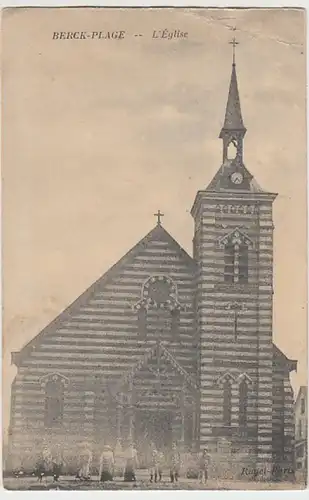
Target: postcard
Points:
(154, 248)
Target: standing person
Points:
(40, 469)
(131, 464)
(161, 462)
(203, 466)
(48, 460)
(85, 464)
(154, 465)
(174, 463)
(56, 469)
(107, 462)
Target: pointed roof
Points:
(281, 359)
(158, 233)
(218, 183)
(233, 119)
(233, 124)
(149, 354)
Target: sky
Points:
(99, 134)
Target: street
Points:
(142, 482)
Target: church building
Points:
(170, 347)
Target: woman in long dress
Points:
(107, 462)
(85, 464)
(131, 463)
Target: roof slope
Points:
(220, 181)
(90, 310)
(281, 359)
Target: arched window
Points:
(53, 403)
(243, 403)
(159, 309)
(232, 149)
(227, 403)
(236, 257)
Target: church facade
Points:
(167, 347)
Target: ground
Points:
(70, 483)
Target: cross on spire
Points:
(234, 43)
(159, 215)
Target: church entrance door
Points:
(155, 427)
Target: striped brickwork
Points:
(98, 339)
(264, 334)
(100, 345)
(278, 413)
(289, 427)
(251, 353)
(283, 416)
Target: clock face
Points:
(237, 178)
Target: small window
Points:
(302, 406)
(300, 451)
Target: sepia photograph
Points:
(154, 223)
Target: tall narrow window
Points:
(142, 321)
(175, 313)
(302, 406)
(227, 403)
(236, 256)
(229, 265)
(300, 430)
(53, 403)
(243, 403)
(243, 264)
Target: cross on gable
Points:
(159, 215)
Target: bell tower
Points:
(233, 248)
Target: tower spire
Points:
(233, 174)
(233, 130)
(233, 118)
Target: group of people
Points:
(158, 461)
(42, 469)
(107, 464)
